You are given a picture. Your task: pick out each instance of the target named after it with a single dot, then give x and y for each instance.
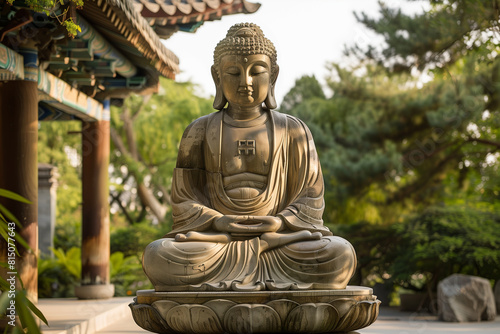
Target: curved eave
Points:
(127, 30)
(168, 14)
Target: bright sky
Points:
(307, 35)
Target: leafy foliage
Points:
(59, 144)
(25, 309)
(372, 243)
(409, 143)
(443, 241)
(146, 133)
(388, 138)
(132, 240)
(58, 276)
(127, 274)
(51, 9)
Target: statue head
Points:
(247, 43)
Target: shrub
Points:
(132, 240)
(442, 241)
(58, 276)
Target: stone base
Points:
(293, 311)
(97, 291)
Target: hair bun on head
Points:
(245, 32)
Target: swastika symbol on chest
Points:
(246, 147)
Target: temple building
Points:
(46, 75)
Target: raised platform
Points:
(292, 311)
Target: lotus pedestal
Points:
(293, 311)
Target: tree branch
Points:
(116, 198)
(484, 141)
(145, 100)
(117, 140)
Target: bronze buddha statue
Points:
(247, 191)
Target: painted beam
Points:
(55, 93)
(60, 95)
(11, 64)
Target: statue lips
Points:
(246, 92)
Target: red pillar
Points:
(19, 172)
(95, 212)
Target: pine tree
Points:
(410, 115)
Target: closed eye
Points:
(232, 71)
(256, 70)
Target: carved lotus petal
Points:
(220, 307)
(252, 318)
(343, 305)
(312, 318)
(283, 308)
(360, 315)
(193, 318)
(148, 318)
(163, 306)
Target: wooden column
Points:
(19, 171)
(95, 219)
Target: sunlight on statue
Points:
(247, 191)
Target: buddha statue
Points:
(247, 190)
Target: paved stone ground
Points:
(112, 316)
(392, 321)
(72, 316)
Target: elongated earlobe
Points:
(219, 100)
(270, 101)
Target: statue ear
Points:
(270, 101)
(220, 100)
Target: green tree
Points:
(387, 137)
(145, 134)
(414, 124)
(441, 241)
(23, 318)
(59, 144)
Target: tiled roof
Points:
(123, 26)
(168, 16)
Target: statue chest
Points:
(246, 149)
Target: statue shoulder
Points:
(295, 126)
(191, 147)
(196, 127)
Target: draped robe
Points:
(294, 192)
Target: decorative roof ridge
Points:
(149, 7)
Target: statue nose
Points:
(246, 80)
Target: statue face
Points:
(245, 79)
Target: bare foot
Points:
(273, 239)
(201, 236)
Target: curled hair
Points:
(245, 39)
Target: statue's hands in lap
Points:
(269, 228)
(241, 226)
(247, 225)
(266, 227)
